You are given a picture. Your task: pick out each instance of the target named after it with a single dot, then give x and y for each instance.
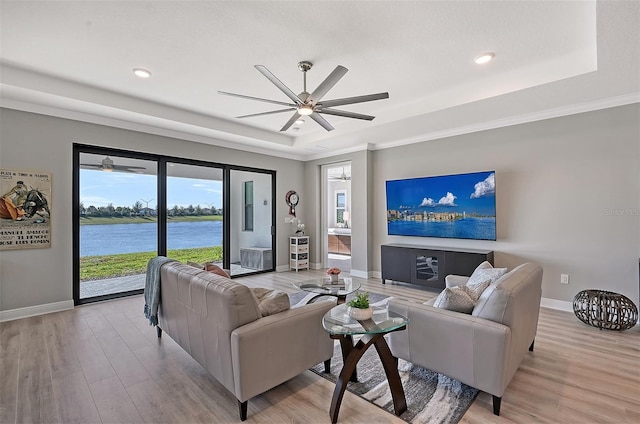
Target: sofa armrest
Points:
(469, 349)
(276, 348)
(452, 280)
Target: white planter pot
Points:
(360, 314)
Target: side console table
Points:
(298, 252)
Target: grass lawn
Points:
(145, 219)
(108, 266)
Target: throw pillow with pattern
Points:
(455, 299)
(475, 289)
(486, 271)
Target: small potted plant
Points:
(359, 308)
(333, 274)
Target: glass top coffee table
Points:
(323, 287)
(342, 327)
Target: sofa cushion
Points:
(455, 299)
(271, 301)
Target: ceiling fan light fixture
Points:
(299, 121)
(305, 110)
(484, 58)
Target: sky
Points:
(100, 188)
(450, 193)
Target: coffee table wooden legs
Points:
(351, 358)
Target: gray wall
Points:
(567, 192)
(31, 141)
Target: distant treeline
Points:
(139, 210)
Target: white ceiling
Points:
(74, 59)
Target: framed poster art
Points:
(25, 209)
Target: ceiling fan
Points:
(305, 104)
(343, 177)
(107, 165)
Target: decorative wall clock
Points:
(292, 200)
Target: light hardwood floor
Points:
(102, 363)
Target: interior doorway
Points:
(338, 215)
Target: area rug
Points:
(431, 397)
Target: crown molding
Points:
(218, 140)
(622, 100)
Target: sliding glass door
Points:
(130, 207)
(117, 223)
(251, 225)
(195, 213)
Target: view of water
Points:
(112, 239)
(468, 228)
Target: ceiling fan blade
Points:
(346, 114)
(290, 94)
(126, 168)
(267, 113)
(290, 122)
(242, 96)
(356, 99)
(327, 84)
(91, 165)
(321, 121)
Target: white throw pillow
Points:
(475, 289)
(455, 299)
(486, 271)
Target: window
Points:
(341, 206)
(248, 206)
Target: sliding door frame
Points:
(161, 175)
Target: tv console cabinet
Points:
(428, 266)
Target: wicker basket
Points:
(605, 309)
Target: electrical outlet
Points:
(564, 278)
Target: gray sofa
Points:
(218, 322)
(484, 349)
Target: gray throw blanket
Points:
(152, 288)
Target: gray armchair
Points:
(484, 349)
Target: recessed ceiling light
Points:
(300, 121)
(142, 73)
(484, 58)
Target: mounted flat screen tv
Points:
(450, 206)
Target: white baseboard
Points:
(360, 274)
(31, 311)
(560, 305)
(282, 268)
(375, 274)
(315, 266)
